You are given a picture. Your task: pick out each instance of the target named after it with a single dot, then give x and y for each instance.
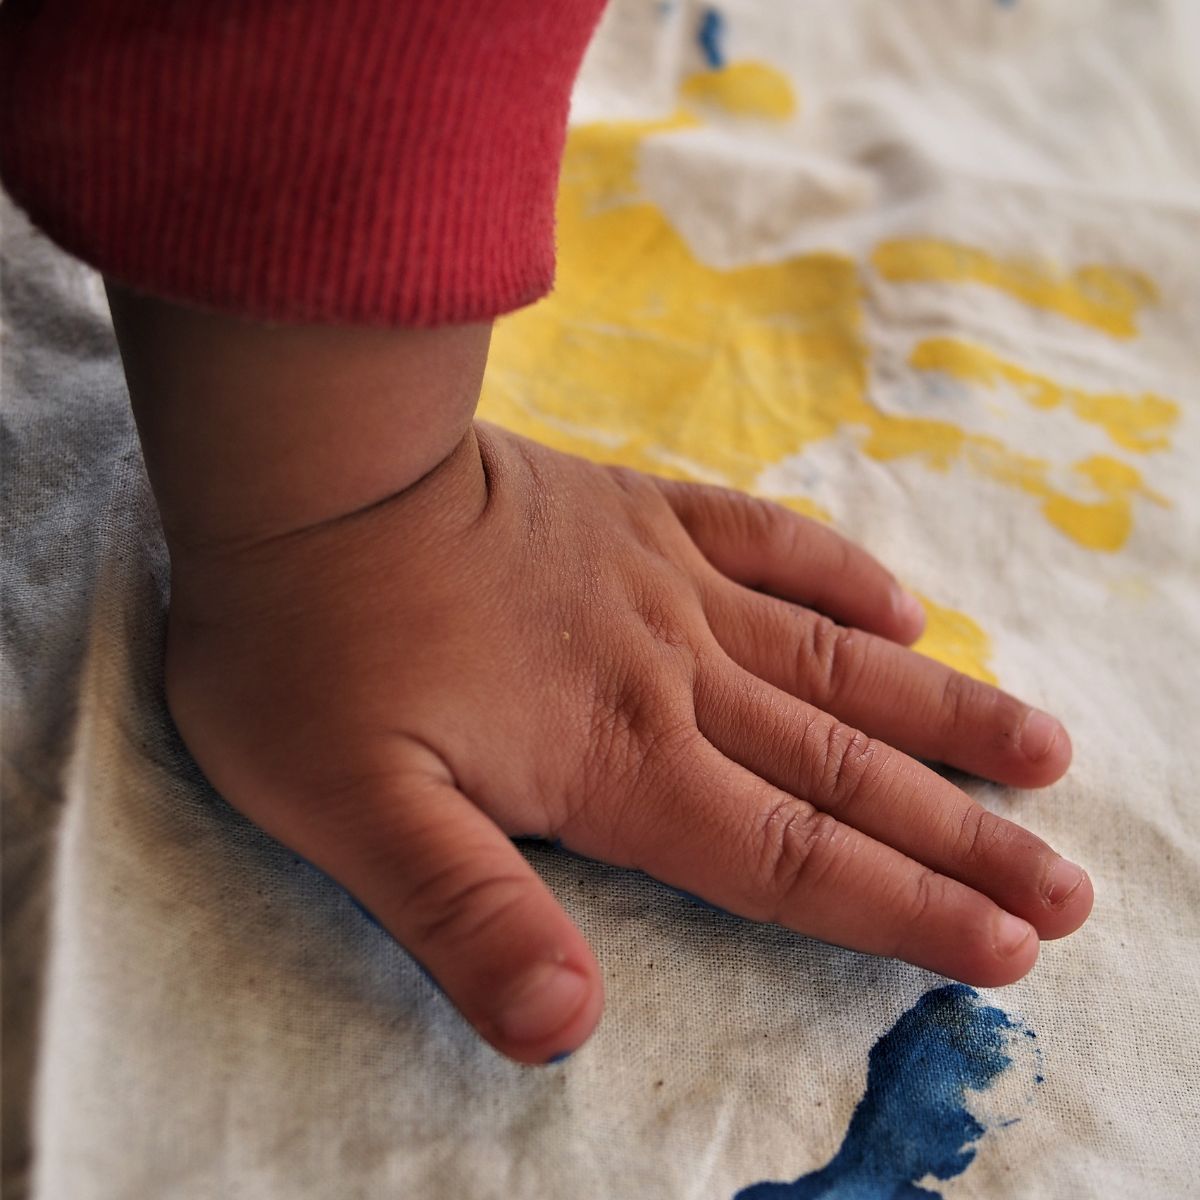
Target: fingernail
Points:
(1065, 877)
(1011, 934)
(1038, 735)
(909, 608)
(542, 1003)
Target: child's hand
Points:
(523, 643)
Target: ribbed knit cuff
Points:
(366, 161)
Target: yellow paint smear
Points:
(1106, 524)
(645, 356)
(744, 89)
(954, 639)
(648, 357)
(1106, 298)
(1138, 423)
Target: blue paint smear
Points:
(712, 31)
(370, 916)
(366, 912)
(912, 1120)
(699, 901)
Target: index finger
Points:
(763, 545)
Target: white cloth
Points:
(192, 1012)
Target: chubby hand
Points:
(665, 676)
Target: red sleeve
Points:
(369, 161)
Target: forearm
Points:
(196, 154)
(251, 431)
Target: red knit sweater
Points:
(371, 161)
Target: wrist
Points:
(252, 584)
(253, 431)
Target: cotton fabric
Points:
(192, 1011)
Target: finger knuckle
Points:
(969, 705)
(459, 907)
(847, 765)
(828, 655)
(798, 851)
(660, 615)
(960, 695)
(925, 895)
(639, 723)
(1008, 717)
(742, 518)
(976, 835)
(624, 711)
(772, 527)
(762, 516)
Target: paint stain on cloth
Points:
(913, 1120)
(1141, 423)
(956, 640)
(742, 89)
(711, 37)
(1106, 298)
(648, 357)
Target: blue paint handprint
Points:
(912, 1120)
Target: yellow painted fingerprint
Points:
(1103, 524)
(648, 357)
(1106, 298)
(1134, 422)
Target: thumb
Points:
(444, 881)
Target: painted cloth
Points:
(927, 271)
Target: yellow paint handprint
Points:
(646, 356)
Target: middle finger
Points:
(890, 797)
(912, 702)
